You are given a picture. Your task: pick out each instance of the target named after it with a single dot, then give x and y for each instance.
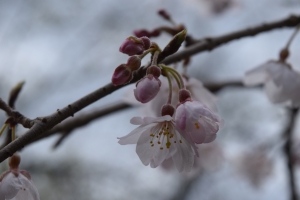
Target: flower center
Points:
(163, 135)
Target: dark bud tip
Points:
(284, 54)
(167, 109)
(184, 95)
(14, 161)
(154, 70)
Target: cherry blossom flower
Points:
(16, 184)
(281, 82)
(210, 159)
(198, 122)
(157, 139)
(147, 88)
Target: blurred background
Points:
(66, 49)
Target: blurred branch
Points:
(211, 43)
(288, 133)
(43, 124)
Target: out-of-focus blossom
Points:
(198, 93)
(134, 46)
(147, 88)
(210, 159)
(198, 122)
(255, 166)
(16, 184)
(158, 139)
(281, 82)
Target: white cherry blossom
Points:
(157, 139)
(280, 81)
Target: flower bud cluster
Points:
(178, 130)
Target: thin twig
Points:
(44, 124)
(287, 150)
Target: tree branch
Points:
(44, 124)
(287, 150)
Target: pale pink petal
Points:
(159, 157)
(28, 191)
(210, 138)
(2, 195)
(257, 75)
(10, 186)
(274, 93)
(181, 116)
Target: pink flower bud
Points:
(198, 122)
(132, 46)
(154, 70)
(167, 109)
(184, 95)
(122, 75)
(134, 62)
(146, 41)
(144, 32)
(147, 88)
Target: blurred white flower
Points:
(16, 184)
(281, 82)
(255, 165)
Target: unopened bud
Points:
(184, 95)
(132, 46)
(14, 161)
(134, 62)
(122, 75)
(167, 109)
(164, 14)
(146, 42)
(154, 70)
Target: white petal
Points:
(10, 186)
(2, 196)
(134, 135)
(274, 93)
(201, 94)
(28, 191)
(258, 75)
(136, 121)
(144, 149)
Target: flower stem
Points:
(154, 59)
(3, 128)
(176, 75)
(13, 133)
(170, 88)
(292, 37)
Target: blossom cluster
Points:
(177, 131)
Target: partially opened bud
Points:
(132, 46)
(122, 75)
(147, 88)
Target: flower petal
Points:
(137, 121)
(133, 136)
(144, 149)
(10, 186)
